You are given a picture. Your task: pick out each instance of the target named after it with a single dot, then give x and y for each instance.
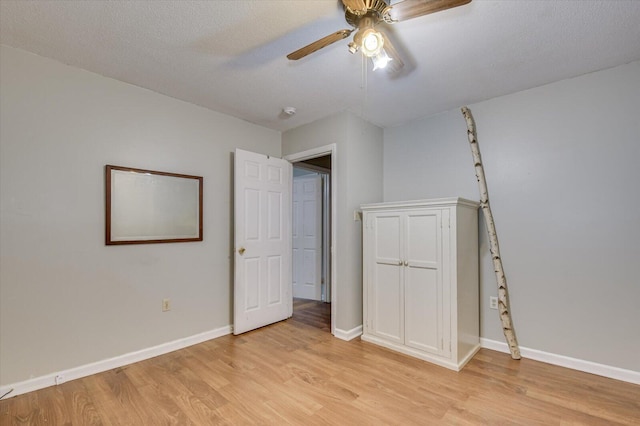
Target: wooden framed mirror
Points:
(146, 206)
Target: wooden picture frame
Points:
(146, 206)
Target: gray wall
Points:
(562, 168)
(359, 170)
(560, 161)
(65, 298)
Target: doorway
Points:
(310, 235)
(320, 163)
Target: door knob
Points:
(241, 250)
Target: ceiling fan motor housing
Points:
(375, 10)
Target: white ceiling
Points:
(229, 56)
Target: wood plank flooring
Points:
(296, 373)
(313, 313)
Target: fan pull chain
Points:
(364, 86)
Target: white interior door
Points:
(307, 237)
(262, 199)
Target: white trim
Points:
(326, 236)
(434, 202)
(348, 334)
(331, 149)
(312, 153)
(110, 363)
(440, 360)
(568, 362)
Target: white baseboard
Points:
(348, 334)
(122, 360)
(110, 363)
(565, 361)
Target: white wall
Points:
(359, 172)
(66, 299)
(364, 184)
(562, 168)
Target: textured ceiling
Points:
(229, 56)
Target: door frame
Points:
(326, 236)
(321, 151)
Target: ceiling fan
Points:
(364, 16)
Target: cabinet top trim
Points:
(435, 202)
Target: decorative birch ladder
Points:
(503, 296)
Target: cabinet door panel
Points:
(423, 310)
(388, 301)
(387, 238)
(423, 234)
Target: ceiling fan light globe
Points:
(372, 42)
(381, 60)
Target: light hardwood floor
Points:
(294, 372)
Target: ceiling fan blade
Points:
(409, 9)
(319, 44)
(396, 63)
(355, 5)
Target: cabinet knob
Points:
(406, 263)
(399, 262)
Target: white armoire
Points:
(420, 279)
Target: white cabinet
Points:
(420, 270)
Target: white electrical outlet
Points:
(59, 379)
(166, 305)
(493, 302)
